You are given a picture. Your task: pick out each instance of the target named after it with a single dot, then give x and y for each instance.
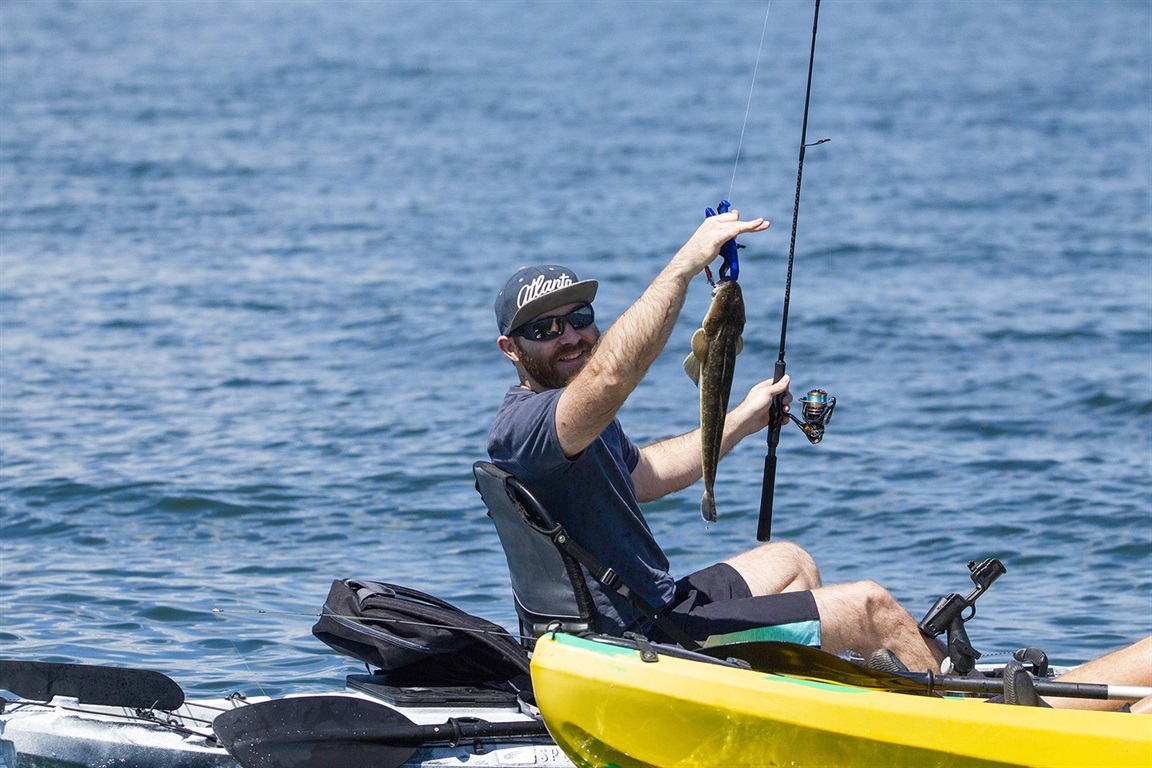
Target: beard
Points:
(547, 370)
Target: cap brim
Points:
(583, 292)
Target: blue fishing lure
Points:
(730, 269)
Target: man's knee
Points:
(878, 602)
(804, 565)
(776, 567)
(859, 615)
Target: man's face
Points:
(553, 363)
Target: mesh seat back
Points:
(548, 588)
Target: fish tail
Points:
(708, 507)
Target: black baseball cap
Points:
(532, 291)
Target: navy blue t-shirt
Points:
(591, 495)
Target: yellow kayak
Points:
(605, 706)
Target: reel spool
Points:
(817, 410)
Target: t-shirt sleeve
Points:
(524, 439)
(628, 448)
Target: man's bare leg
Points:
(1127, 666)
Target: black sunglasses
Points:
(553, 327)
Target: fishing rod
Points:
(817, 405)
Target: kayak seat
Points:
(548, 567)
(547, 585)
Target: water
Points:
(248, 253)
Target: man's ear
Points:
(508, 347)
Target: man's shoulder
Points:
(523, 433)
(522, 408)
(520, 399)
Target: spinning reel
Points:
(818, 407)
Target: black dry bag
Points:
(416, 639)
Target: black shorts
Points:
(715, 607)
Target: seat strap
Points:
(611, 579)
(534, 514)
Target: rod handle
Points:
(764, 527)
(768, 487)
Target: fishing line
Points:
(243, 658)
(748, 107)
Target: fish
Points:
(710, 365)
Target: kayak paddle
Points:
(339, 731)
(108, 686)
(815, 664)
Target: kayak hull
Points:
(605, 706)
(64, 733)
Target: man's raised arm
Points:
(627, 349)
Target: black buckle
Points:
(647, 652)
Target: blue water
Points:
(248, 253)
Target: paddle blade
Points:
(107, 686)
(313, 732)
(814, 664)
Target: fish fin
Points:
(692, 364)
(700, 345)
(695, 360)
(692, 368)
(708, 507)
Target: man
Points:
(557, 432)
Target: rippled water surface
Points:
(248, 253)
